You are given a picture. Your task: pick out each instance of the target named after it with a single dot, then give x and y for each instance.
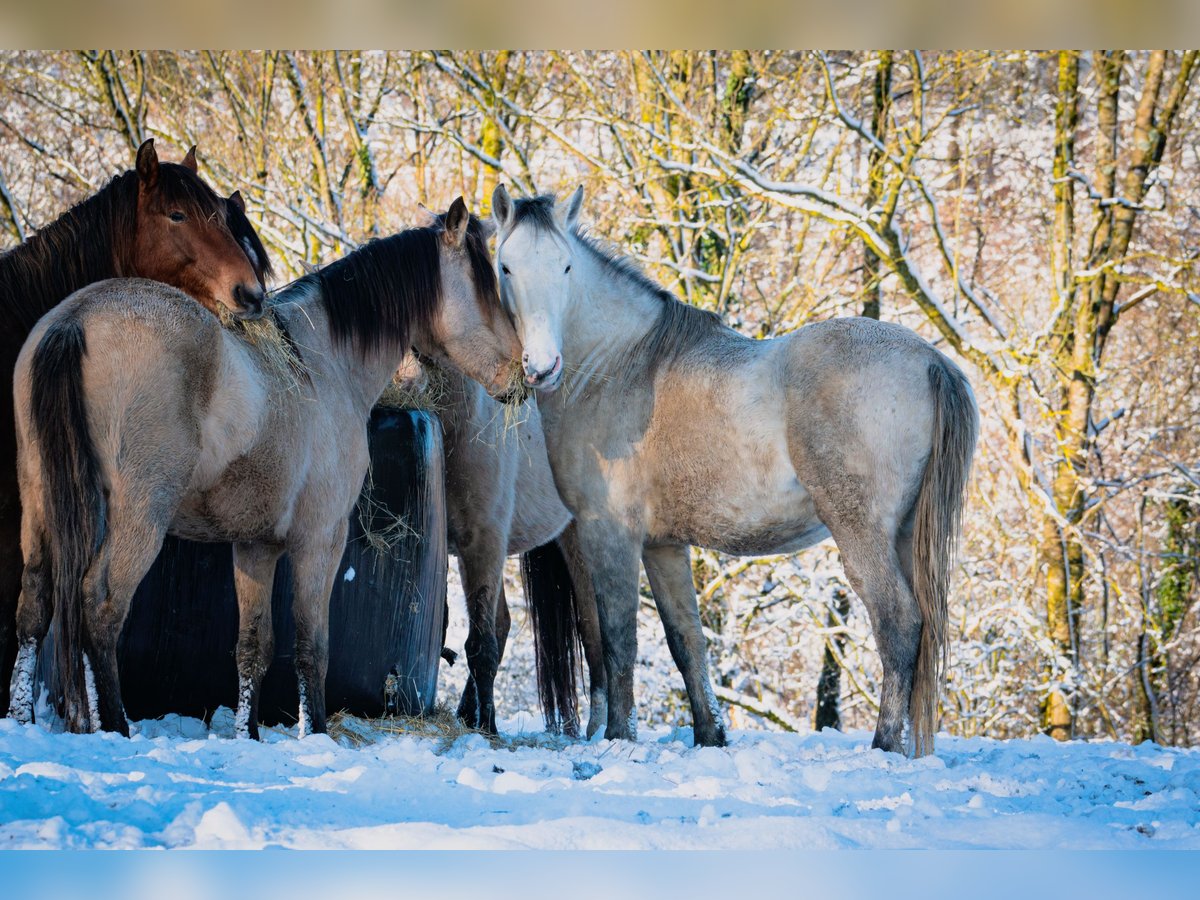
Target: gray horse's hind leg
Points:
(669, 569)
(314, 566)
(253, 579)
(874, 570)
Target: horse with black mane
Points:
(179, 427)
(158, 221)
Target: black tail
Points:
(550, 599)
(72, 497)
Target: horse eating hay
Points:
(671, 429)
(160, 221)
(178, 427)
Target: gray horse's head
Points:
(536, 256)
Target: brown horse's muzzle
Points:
(248, 301)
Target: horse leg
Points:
(34, 612)
(126, 553)
(610, 554)
(253, 578)
(669, 569)
(314, 566)
(874, 569)
(588, 621)
(482, 563)
(11, 564)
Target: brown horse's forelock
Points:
(91, 241)
(247, 238)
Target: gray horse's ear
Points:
(570, 214)
(147, 164)
(309, 268)
(502, 207)
(189, 161)
(457, 220)
(487, 228)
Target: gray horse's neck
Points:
(607, 315)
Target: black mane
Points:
(389, 287)
(678, 326)
(243, 232)
(89, 242)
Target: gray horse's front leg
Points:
(588, 620)
(669, 569)
(253, 579)
(610, 554)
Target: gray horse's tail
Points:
(73, 499)
(938, 513)
(550, 599)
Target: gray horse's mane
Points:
(679, 325)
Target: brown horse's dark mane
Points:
(91, 241)
(382, 292)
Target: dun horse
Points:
(501, 501)
(178, 427)
(160, 221)
(665, 428)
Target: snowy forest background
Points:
(1037, 215)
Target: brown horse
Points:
(180, 427)
(159, 221)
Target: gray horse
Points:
(139, 415)
(665, 428)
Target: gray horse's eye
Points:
(567, 270)
(504, 269)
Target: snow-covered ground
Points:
(175, 784)
(178, 784)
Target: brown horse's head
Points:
(183, 237)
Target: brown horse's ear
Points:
(236, 199)
(456, 223)
(147, 164)
(189, 161)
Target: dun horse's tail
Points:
(73, 498)
(550, 599)
(935, 537)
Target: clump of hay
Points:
(383, 531)
(417, 384)
(442, 725)
(271, 344)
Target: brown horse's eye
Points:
(177, 216)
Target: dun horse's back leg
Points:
(32, 622)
